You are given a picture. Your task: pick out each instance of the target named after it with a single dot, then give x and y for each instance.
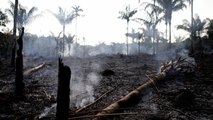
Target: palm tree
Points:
(167, 7)
(76, 9)
(69, 40)
(24, 17)
(57, 40)
(126, 15)
(150, 23)
(64, 18)
(196, 29)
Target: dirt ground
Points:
(183, 97)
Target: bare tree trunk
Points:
(139, 46)
(63, 95)
(127, 44)
(166, 31)
(170, 33)
(14, 34)
(19, 67)
(63, 43)
(154, 46)
(76, 32)
(192, 36)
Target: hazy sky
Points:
(100, 23)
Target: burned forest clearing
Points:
(106, 60)
(107, 78)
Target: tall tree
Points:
(192, 37)
(197, 28)
(69, 39)
(127, 14)
(64, 18)
(24, 16)
(15, 15)
(167, 7)
(77, 11)
(150, 22)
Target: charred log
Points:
(169, 69)
(32, 70)
(63, 95)
(19, 67)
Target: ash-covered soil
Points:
(183, 97)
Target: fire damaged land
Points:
(118, 87)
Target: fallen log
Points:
(169, 69)
(34, 69)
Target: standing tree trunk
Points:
(63, 43)
(139, 46)
(14, 34)
(76, 32)
(19, 67)
(166, 31)
(127, 44)
(153, 35)
(63, 95)
(170, 33)
(192, 34)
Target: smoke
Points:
(42, 46)
(84, 79)
(47, 47)
(177, 50)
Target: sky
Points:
(99, 22)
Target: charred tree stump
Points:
(63, 95)
(19, 84)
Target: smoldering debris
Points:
(83, 83)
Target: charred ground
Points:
(182, 97)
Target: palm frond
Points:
(179, 7)
(10, 12)
(32, 11)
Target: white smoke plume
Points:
(82, 84)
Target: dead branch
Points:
(32, 70)
(98, 99)
(117, 114)
(167, 70)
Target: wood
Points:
(19, 84)
(130, 99)
(117, 114)
(32, 70)
(63, 93)
(98, 99)
(167, 70)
